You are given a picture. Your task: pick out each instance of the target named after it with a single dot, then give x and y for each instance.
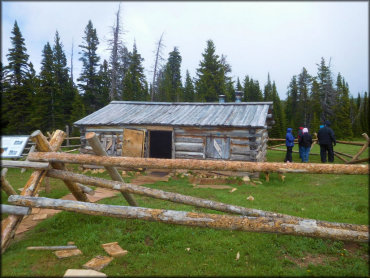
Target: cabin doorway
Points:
(160, 144)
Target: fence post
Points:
(67, 131)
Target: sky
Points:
(257, 38)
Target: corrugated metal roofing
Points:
(244, 114)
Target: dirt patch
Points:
(148, 241)
(315, 259)
(140, 180)
(353, 248)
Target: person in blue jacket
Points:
(289, 142)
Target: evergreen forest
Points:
(51, 99)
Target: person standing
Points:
(299, 145)
(326, 139)
(289, 142)
(305, 140)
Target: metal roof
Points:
(230, 114)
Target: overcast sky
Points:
(258, 38)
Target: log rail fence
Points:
(47, 162)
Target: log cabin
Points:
(221, 130)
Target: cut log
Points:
(309, 228)
(364, 148)
(5, 185)
(341, 158)
(52, 247)
(360, 161)
(15, 210)
(179, 198)
(194, 164)
(24, 164)
(98, 149)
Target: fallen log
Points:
(11, 223)
(360, 161)
(15, 210)
(98, 149)
(194, 164)
(67, 247)
(307, 228)
(184, 199)
(25, 164)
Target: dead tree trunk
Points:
(98, 149)
(184, 199)
(156, 64)
(193, 164)
(307, 228)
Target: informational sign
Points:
(13, 146)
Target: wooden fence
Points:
(353, 158)
(251, 220)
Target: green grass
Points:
(157, 249)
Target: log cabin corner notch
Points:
(224, 131)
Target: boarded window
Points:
(218, 147)
(133, 143)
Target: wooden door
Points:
(218, 148)
(133, 143)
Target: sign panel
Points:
(13, 146)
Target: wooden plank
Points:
(189, 155)
(237, 149)
(133, 143)
(239, 142)
(189, 147)
(186, 139)
(292, 226)
(61, 247)
(240, 157)
(24, 164)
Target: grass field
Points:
(157, 249)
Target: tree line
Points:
(50, 99)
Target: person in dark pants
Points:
(305, 141)
(326, 139)
(289, 142)
(300, 132)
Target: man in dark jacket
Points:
(326, 139)
(289, 142)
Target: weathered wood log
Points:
(25, 164)
(44, 146)
(15, 210)
(364, 148)
(341, 158)
(282, 150)
(344, 154)
(350, 143)
(98, 149)
(183, 199)
(360, 161)
(67, 247)
(86, 189)
(243, 223)
(5, 185)
(193, 164)
(32, 149)
(11, 223)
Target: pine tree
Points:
(104, 85)
(364, 114)
(267, 92)
(278, 129)
(64, 92)
(342, 125)
(89, 79)
(252, 91)
(44, 103)
(171, 83)
(292, 103)
(134, 84)
(189, 93)
(210, 83)
(327, 92)
(17, 94)
(315, 106)
(304, 84)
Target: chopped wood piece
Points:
(98, 263)
(70, 243)
(35, 210)
(232, 190)
(237, 256)
(40, 216)
(114, 249)
(246, 178)
(52, 247)
(250, 198)
(67, 253)
(83, 273)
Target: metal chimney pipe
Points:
(238, 96)
(221, 98)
